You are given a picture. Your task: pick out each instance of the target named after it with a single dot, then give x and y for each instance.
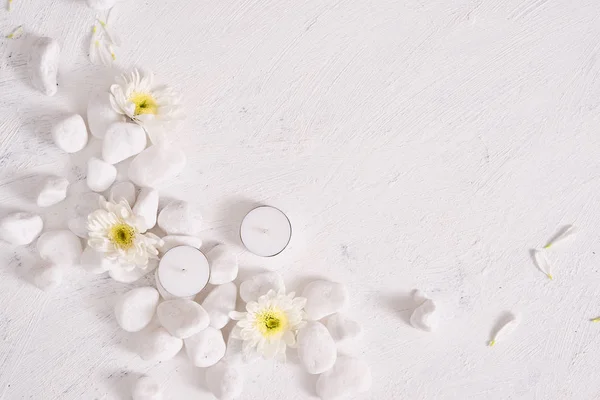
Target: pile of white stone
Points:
(328, 339)
(170, 323)
(324, 345)
(150, 166)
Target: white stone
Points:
(60, 247)
(205, 348)
(123, 140)
(324, 298)
(95, 262)
(349, 376)
(159, 345)
(43, 65)
(48, 277)
(100, 174)
(146, 207)
(100, 114)
(171, 241)
(70, 134)
(178, 218)
(225, 380)
(156, 165)
(219, 303)
(123, 275)
(234, 353)
(123, 190)
(146, 388)
(182, 318)
(424, 316)
(134, 310)
(259, 285)
(343, 329)
(316, 348)
(53, 192)
(82, 206)
(223, 264)
(20, 228)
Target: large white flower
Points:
(156, 108)
(117, 232)
(270, 324)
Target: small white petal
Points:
(566, 233)
(237, 316)
(506, 329)
(289, 338)
(541, 261)
(114, 38)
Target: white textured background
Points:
(413, 143)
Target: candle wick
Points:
(262, 230)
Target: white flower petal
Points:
(252, 307)
(101, 50)
(16, 33)
(114, 38)
(564, 234)
(506, 329)
(237, 316)
(541, 261)
(289, 338)
(270, 349)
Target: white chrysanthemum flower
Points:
(270, 324)
(155, 108)
(116, 231)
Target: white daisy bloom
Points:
(116, 231)
(270, 324)
(155, 108)
(102, 44)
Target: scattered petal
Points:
(102, 44)
(565, 233)
(17, 32)
(110, 33)
(541, 261)
(506, 329)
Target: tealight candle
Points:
(183, 271)
(266, 231)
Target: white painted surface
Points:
(412, 143)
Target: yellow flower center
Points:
(271, 322)
(122, 236)
(144, 103)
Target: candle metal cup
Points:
(185, 270)
(266, 231)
